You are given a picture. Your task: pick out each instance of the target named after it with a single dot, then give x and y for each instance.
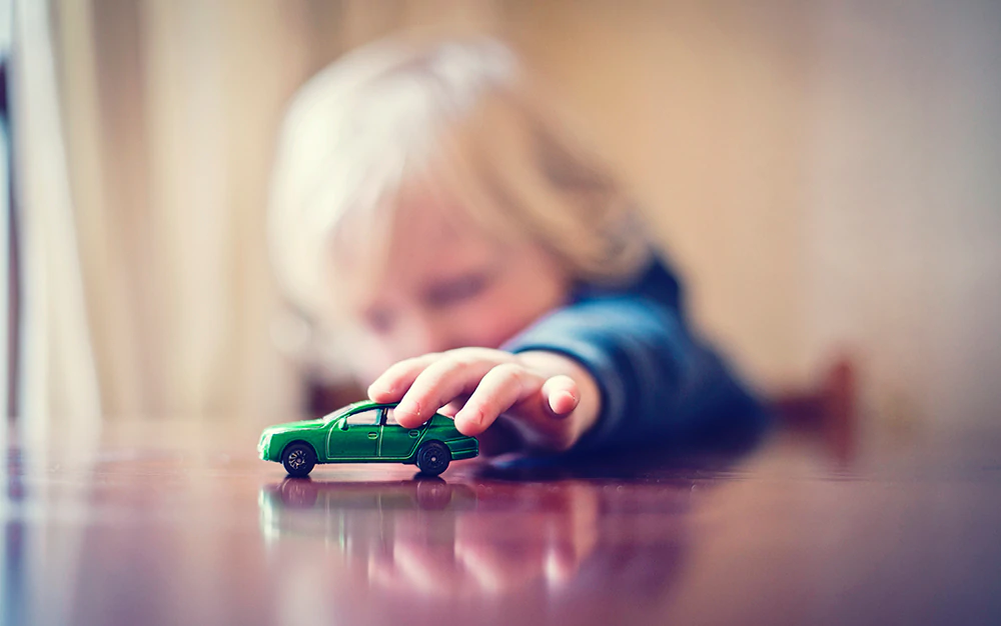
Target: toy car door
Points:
(397, 442)
(354, 437)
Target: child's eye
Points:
(456, 290)
(379, 321)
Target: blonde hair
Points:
(457, 111)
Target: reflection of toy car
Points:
(365, 432)
(362, 519)
(429, 493)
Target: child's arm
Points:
(658, 384)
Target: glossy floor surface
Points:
(179, 523)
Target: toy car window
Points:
(364, 418)
(390, 418)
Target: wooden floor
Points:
(174, 522)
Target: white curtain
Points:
(57, 373)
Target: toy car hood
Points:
(293, 426)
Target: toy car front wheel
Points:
(433, 458)
(299, 459)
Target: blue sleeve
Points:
(659, 384)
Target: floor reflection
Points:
(444, 541)
(11, 547)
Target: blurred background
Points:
(825, 175)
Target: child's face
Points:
(446, 284)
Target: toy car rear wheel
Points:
(433, 458)
(299, 459)
(433, 493)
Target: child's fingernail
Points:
(409, 408)
(563, 403)
(473, 417)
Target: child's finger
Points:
(561, 394)
(501, 388)
(440, 383)
(394, 382)
(543, 420)
(453, 407)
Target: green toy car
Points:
(365, 432)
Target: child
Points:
(428, 208)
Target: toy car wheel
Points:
(298, 492)
(433, 457)
(433, 493)
(299, 459)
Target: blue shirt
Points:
(660, 384)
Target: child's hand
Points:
(548, 399)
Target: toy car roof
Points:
(355, 407)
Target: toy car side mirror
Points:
(343, 425)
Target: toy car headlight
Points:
(265, 442)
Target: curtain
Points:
(56, 365)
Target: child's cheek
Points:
(490, 320)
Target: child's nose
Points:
(432, 334)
